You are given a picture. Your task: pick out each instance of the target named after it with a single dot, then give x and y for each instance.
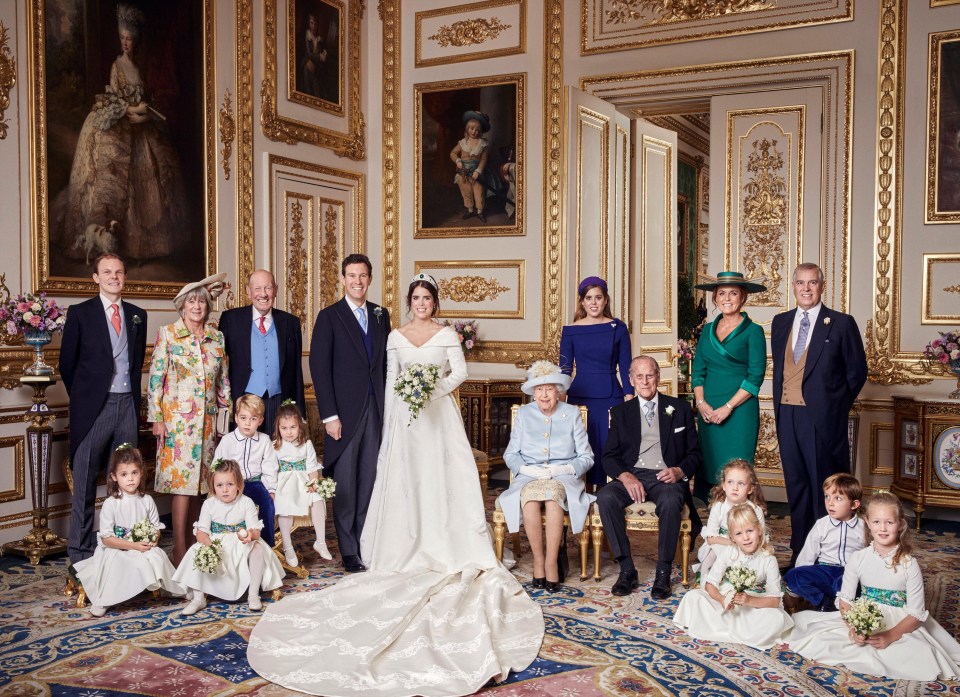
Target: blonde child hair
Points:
(756, 496)
(289, 410)
(251, 403)
(125, 454)
(744, 514)
(228, 466)
(885, 498)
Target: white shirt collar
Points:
(107, 302)
(852, 523)
(644, 402)
(240, 437)
(354, 307)
(812, 313)
(256, 314)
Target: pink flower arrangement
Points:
(29, 312)
(467, 330)
(944, 350)
(683, 350)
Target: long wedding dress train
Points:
(436, 614)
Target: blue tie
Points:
(648, 408)
(362, 319)
(801, 338)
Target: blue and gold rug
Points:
(596, 644)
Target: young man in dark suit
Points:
(101, 361)
(265, 347)
(819, 366)
(651, 453)
(349, 369)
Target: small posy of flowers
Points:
(207, 558)
(324, 486)
(466, 330)
(144, 531)
(669, 411)
(945, 349)
(740, 578)
(415, 385)
(864, 617)
(28, 312)
(684, 350)
(377, 311)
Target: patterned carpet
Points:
(596, 644)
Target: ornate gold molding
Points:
(469, 32)
(330, 275)
(952, 289)
(767, 459)
(390, 16)
(470, 289)
(350, 143)
(246, 250)
(228, 130)
(766, 210)
(935, 129)
(5, 338)
(8, 78)
(296, 261)
(19, 469)
(625, 11)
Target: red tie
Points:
(115, 319)
(263, 329)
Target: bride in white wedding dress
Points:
(435, 614)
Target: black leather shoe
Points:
(468, 213)
(352, 564)
(553, 586)
(627, 582)
(482, 217)
(661, 584)
(539, 582)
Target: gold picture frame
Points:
(315, 64)
(350, 142)
(471, 32)
(66, 232)
(466, 282)
(943, 122)
(440, 119)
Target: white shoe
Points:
(290, 556)
(98, 610)
(321, 549)
(254, 602)
(198, 602)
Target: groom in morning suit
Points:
(819, 367)
(349, 370)
(651, 453)
(101, 360)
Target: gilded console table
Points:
(927, 450)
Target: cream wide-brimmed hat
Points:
(214, 284)
(545, 373)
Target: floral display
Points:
(324, 486)
(865, 617)
(144, 531)
(28, 312)
(945, 349)
(684, 350)
(207, 558)
(415, 385)
(741, 578)
(467, 330)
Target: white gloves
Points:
(557, 470)
(535, 471)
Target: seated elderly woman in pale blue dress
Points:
(548, 454)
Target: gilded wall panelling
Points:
(298, 257)
(767, 459)
(941, 289)
(228, 131)
(246, 250)
(8, 78)
(15, 470)
(943, 3)
(471, 32)
(618, 25)
(552, 167)
(881, 449)
(943, 139)
(345, 134)
(493, 289)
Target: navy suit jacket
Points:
(678, 441)
(341, 371)
(236, 325)
(835, 371)
(86, 361)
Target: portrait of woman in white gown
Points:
(435, 614)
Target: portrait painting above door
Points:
(315, 53)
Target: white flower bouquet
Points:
(324, 486)
(740, 578)
(865, 617)
(207, 558)
(415, 385)
(144, 531)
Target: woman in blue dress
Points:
(592, 349)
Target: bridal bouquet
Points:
(865, 617)
(207, 558)
(740, 578)
(144, 531)
(324, 486)
(415, 385)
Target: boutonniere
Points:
(669, 411)
(826, 320)
(137, 320)
(377, 311)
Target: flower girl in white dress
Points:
(120, 568)
(246, 562)
(298, 468)
(719, 612)
(911, 645)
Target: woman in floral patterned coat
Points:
(188, 382)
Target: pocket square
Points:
(677, 430)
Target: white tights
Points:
(318, 516)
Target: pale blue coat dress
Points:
(559, 439)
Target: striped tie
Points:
(362, 319)
(801, 338)
(648, 408)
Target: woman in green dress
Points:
(728, 370)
